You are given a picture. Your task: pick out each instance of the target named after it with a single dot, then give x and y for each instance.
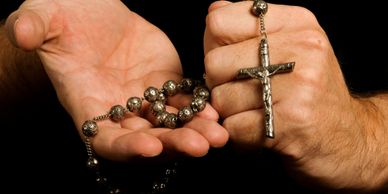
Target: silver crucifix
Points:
(263, 73)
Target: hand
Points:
(98, 54)
(321, 130)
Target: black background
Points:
(41, 151)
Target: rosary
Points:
(157, 99)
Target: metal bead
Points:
(162, 187)
(101, 180)
(198, 104)
(186, 85)
(117, 113)
(185, 114)
(160, 118)
(173, 172)
(168, 172)
(92, 163)
(162, 97)
(158, 107)
(151, 94)
(170, 88)
(171, 121)
(201, 92)
(158, 187)
(155, 187)
(134, 104)
(89, 128)
(259, 7)
(115, 191)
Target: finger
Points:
(185, 140)
(236, 97)
(204, 122)
(251, 132)
(239, 96)
(222, 64)
(120, 144)
(247, 132)
(234, 23)
(214, 133)
(135, 123)
(209, 113)
(28, 27)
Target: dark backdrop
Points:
(41, 151)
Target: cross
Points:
(263, 73)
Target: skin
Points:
(328, 137)
(98, 54)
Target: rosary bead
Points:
(162, 97)
(185, 114)
(170, 88)
(151, 94)
(198, 104)
(160, 118)
(101, 180)
(168, 172)
(201, 92)
(89, 128)
(155, 188)
(92, 163)
(158, 107)
(117, 113)
(134, 104)
(259, 7)
(186, 85)
(158, 188)
(171, 121)
(115, 191)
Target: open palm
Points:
(98, 54)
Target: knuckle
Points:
(315, 40)
(303, 111)
(318, 52)
(312, 81)
(305, 15)
(214, 25)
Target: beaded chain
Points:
(157, 99)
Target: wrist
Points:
(372, 114)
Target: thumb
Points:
(28, 29)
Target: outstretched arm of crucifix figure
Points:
(256, 72)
